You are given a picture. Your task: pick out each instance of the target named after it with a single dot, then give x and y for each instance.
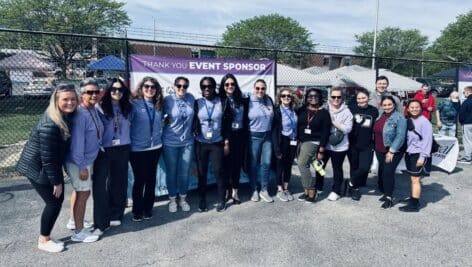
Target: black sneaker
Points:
(356, 194)
(202, 207)
(388, 203)
(302, 197)
(383, 198)
(221, 206)
(147, 215)
(412, 206)
(137, 218)
(310, 199)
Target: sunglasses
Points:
(335, 97)
(206, 86)
(312, 96)
(185, 86)
(94, 92)
(147, 86)
(260, 88)
(229, 84)
(117, 90)
(285, 96)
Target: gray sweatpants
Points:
(467, 140)
(307, 154)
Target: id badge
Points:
(307, 131)
(115, 142)
(209, 134)
(182, 138)
(235, 125)
(293, 142)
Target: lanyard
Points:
(95, 121)
(292, 121)
(209, 112)
(308, 118)
(151, 119)
(116, 122)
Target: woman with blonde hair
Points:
(43, 156)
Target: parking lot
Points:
(263, 234)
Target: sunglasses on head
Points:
(335, 97)
(147, 86)
(260, 88)
(229, 84)
(285, 96)
(94, 92)
(185, 86)
(117, 89)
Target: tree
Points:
(394, 42)
(269, 32)
(67, 16)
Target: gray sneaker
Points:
(255, 196)
(288, 195)
(282, 196)
(265, 196)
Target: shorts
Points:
(74, 174)
(411, 168)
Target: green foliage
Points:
(269, 32)
(68, 16)
(394, 42)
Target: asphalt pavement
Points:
(341, 233)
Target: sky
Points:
(332, 23)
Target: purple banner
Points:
(465, 74)
(205, 66)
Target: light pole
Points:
(375, 35)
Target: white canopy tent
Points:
(288, 76)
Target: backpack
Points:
(411, 127)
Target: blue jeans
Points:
(178, 161)
(447, 130)
(260, 157)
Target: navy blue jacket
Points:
(465, 114)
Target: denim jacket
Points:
(394, 132)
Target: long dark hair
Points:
(124, 103)
(408, 115)
(389, 97)
(157, 99)
(319, 94)
(237, 94)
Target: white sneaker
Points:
(172, 206)
(129, 202)
(51, 246)
(184, 205)
(84, 236)
(115, 223)
(333, 196)
(71, 224)
(97, 232)
(255, 196)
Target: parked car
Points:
(5, 85)
(437, 89)
(39, 88)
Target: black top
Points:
(465, 114)
(320, 125)
(44, 154)
(364, 119)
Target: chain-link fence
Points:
(32, 63)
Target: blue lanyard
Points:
(151, 119)
(292, 121)
(209, 112)
(95, 121)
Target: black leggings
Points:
(337, 160)
(360, 161)
(144, 165)
(234, 160)
(386, 172)
(52, 209)
(284, 165)
(204, 154)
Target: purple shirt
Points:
(414, 144)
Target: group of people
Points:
(96, 136)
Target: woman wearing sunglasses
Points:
(211, 127)
(43, 156)
(314, 125)
(261, 114)
(338, 144)
(232, 97)
(284, 136)
(146, 145)
(178, 142)
(110, 175)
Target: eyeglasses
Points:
(229, 84)
(312, 96)
(147, 86)
(335, 97)
(94, 92)
(185, 86)
(260, 88)
(285, 96)
(117, 90)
